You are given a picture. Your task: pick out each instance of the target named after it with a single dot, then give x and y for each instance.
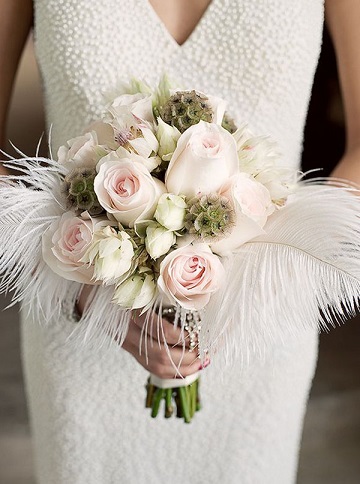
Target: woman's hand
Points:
(156, 359)
(177, 361)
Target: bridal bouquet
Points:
(166, 206)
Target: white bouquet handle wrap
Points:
(166, 383)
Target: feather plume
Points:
(303, 273)
(28, 205)
(103, 322)
(30, 201)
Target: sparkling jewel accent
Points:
(192, 323)
(193, 327)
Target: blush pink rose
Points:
(126, 189)
(65, 243)
(250, 196)
(190, 275)
(204, 158)
(252, 204)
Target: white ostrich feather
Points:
(303, 273)
(29, 203)
(103, 322)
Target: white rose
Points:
(245, 229)
(136, 292)
(158, 240)
(122, 154)
(170, 211)
(167, 136)
(66, 242)
(140, 105)
(126, 190)
(80, 151)
(205, 157)
(111, 253)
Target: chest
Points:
(258, 55)
(180, 17)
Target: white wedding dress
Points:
(87, 408)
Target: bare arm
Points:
(342, 17)
(15, 24)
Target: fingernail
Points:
(206, 363)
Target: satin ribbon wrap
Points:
(173, 382)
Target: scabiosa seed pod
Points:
(186, 108)
(79, 190)
(228, 123)
(210, 217)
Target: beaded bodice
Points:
(258, 55)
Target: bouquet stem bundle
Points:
(184, 400)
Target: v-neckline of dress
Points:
(194, 33)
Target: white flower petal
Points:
(205, 157)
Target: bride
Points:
(86, 410)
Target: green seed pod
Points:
(186, 108)
(85, 201)
(77, 186)
(228, 123)
(210, 217)
(79, 191)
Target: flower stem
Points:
(183, 395)
(179, 412)
(192, 399)
(159, 393)
(150, 394)
(184, 400)
(169, 409)
(198, 401)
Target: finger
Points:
(162, 330)
(156, 359)
(172, 369)
(146, 345)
